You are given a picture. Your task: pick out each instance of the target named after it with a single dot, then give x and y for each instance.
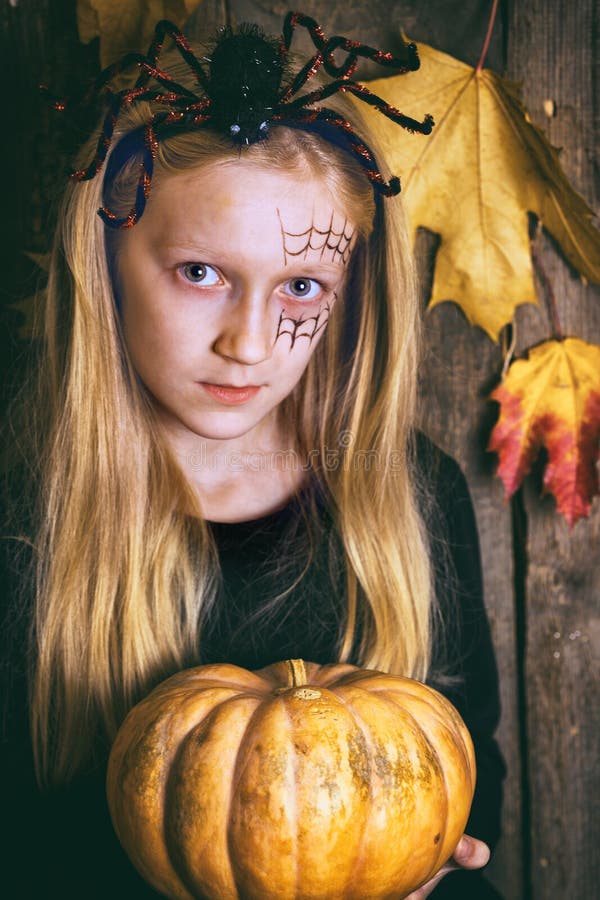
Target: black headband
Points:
(242, 96)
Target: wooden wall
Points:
(541, 578)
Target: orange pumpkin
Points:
(296, 781)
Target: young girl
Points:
(222, 466)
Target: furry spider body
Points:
(244, 93)
(246, 71)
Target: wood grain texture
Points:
(460, 366)
(36, 40)
(553, 48)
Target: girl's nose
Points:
(247, 333)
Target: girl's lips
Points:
(226, 393)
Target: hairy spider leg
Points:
(164, 28)
(166, 119)
(326, 48)
(104, 141)
(148, 64)
(116, 103)
(178, 94)
(143, 186)
(365, 94)
(361, 152)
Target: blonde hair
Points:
(124, 578)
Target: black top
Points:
(62, 843)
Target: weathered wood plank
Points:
(460, 366)
(36, 40)
(551, 48)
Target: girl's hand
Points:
(469, 854)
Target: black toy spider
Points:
(242, 95)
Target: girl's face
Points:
(226, 285)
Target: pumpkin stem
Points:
(296, 672)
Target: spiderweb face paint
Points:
(331, 243)
(304, 327)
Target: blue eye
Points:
(304, 288)
(200, 273)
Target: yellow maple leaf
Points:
(552, 400)
(124, 27)
(473, 181)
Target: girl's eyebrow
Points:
(192, 245)
(299, 262)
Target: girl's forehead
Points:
(237, 213)
(222, 190)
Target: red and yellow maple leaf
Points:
(552, 400)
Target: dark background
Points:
(542, 579)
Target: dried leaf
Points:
(124, 27)
(473, 181)
(87, 21)
(31, 307)
(552, 400)
(42, 260)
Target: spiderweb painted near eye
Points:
(307, 327)
(319, 240)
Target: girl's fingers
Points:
(426, 889)
(470, 853)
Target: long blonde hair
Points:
(124, 578)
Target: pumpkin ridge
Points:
(416, 726)
(332, 697)
(238, 771)
(174, 856)
(171, 765)
(420, 725)
(366, 733)
(126, 765)
(328, 695)
(358, 676)
(206, 724)
(432, 702)
(433, 749)
(429, 702)
(457, 721)
(293, 795)
(449, 708)
(212, 675)
(333, 673)
(161, 725)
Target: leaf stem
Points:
(510, 349)
(547, 291)
(488, 37)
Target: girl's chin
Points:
(225, 425)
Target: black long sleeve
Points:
(470, 656)
(62, 843)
